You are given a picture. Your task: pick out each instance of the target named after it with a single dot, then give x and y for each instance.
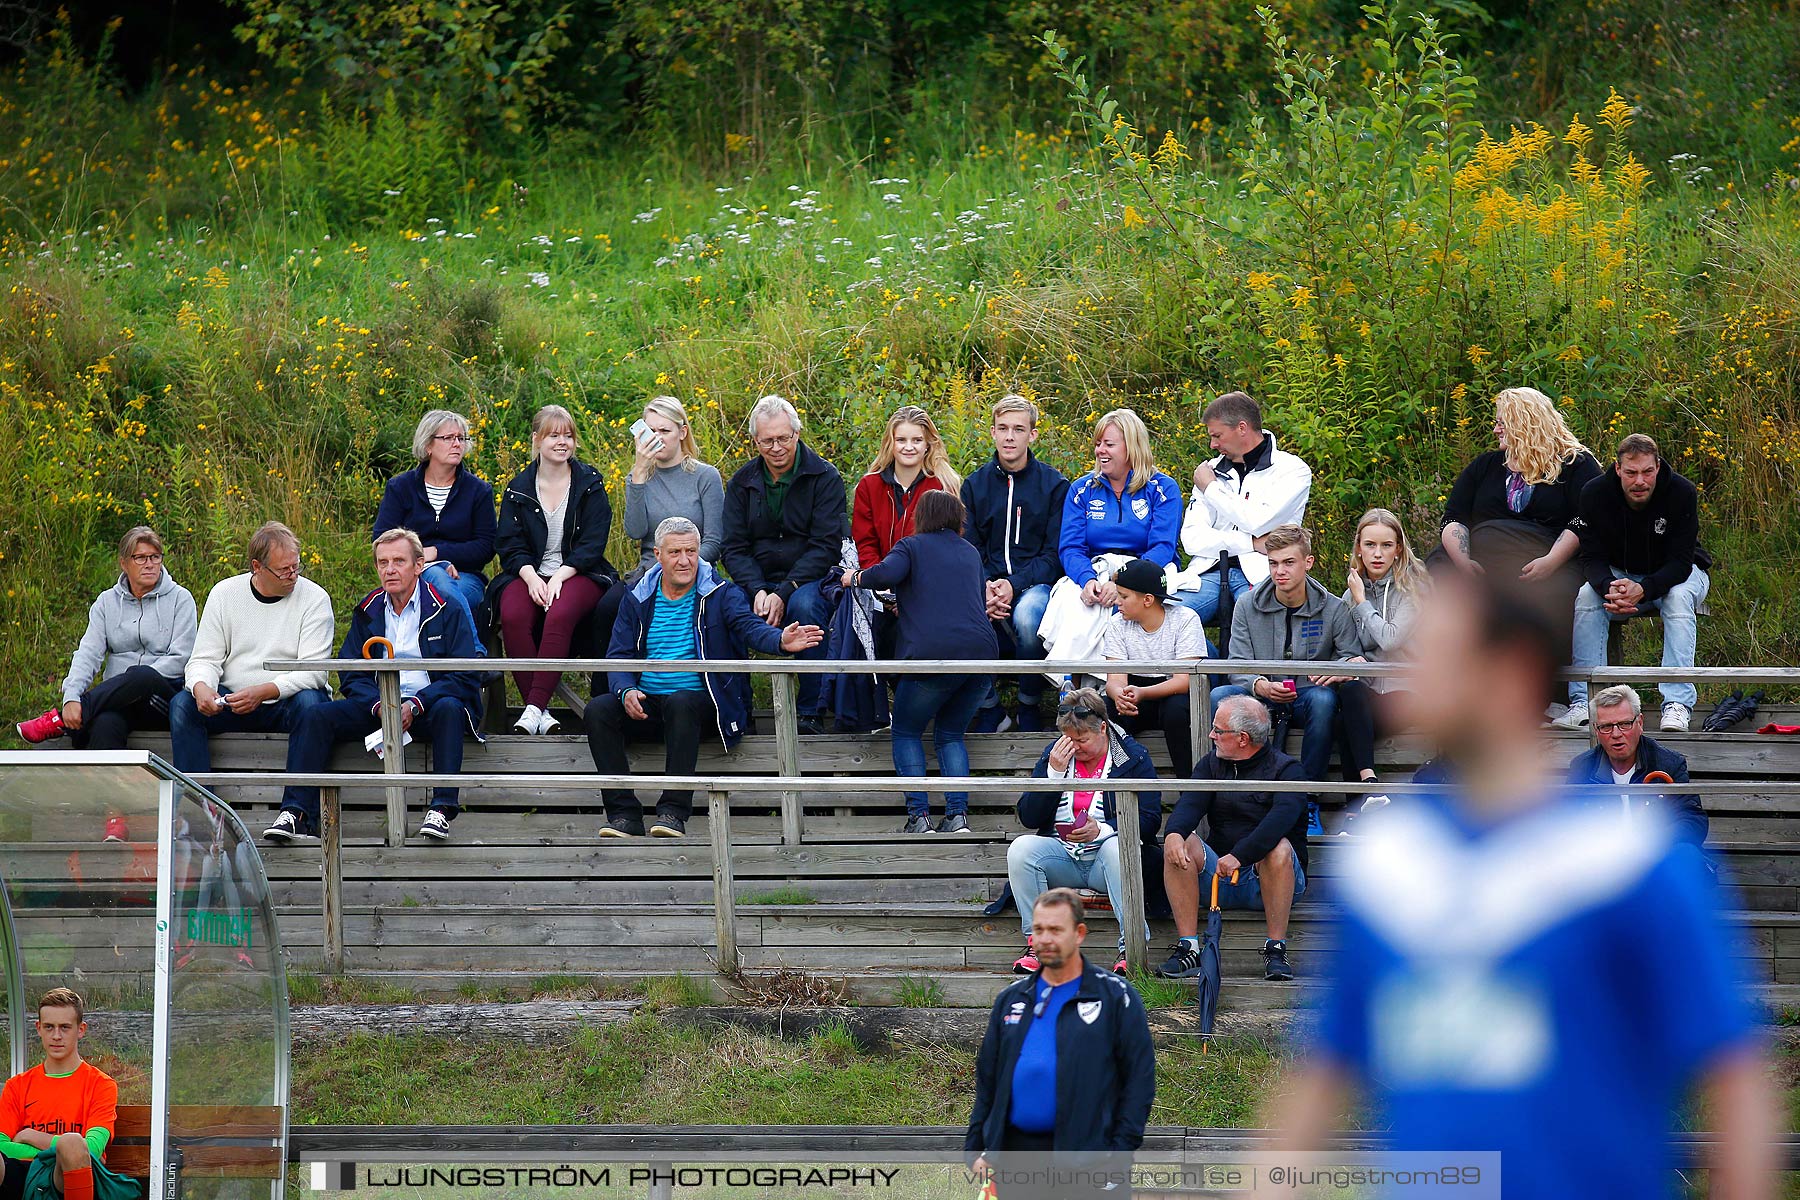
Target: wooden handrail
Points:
(718, 790)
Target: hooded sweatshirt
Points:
(124, 632)
(1660, 541)
(1320, 630)
(1383, 621)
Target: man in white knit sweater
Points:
(270, 612)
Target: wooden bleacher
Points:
(526, 889)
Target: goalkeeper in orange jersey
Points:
(65, 1104)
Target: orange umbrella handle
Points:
(1659, 777)
(377, 641)
(1215, 887)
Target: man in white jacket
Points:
(1251, 488)
(269, 612)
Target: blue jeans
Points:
(949, 703)
(1315, 709)
(189, 731)
(466, 591)
(1022, 629)
(1247, 891)
(807, 606)
(1204, 600)
(1035, 864)
(322, 726)
(1681, 631)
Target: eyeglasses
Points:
(1219, 733)
(464, 438)
(777, 443)
(1071, 707)
(292, 572)
(1617, 726)
(144, 560)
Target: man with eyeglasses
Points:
(784, 532)
(1625, 755)
(1258, 836)
(269, 612)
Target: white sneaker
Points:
(1675, 718)
(1575, 718)
(546, 723)
(528, 720)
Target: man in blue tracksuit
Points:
(419, 622)
(1625, 755)
(678, 610)
(1066, 1066)
(1015, 511)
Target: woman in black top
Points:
(1512, 511)
(1516, 504)
(940, 588)
(554, 522)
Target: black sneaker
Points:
(285, 828)
(1183, 962)
(919, 824)
(811, 725)
(622, 827)
(1275, 963)
(436, 826)
(954, 823)
(666, 825)
(1028, 719)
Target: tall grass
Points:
(210, 320)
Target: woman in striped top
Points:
(449, 506)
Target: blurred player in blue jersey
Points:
(1520, 970)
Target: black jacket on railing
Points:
(763, 553)
(523, 530)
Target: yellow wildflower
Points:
(1579, 135)
(1616, 114)
(1477, 354)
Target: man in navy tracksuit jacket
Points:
(1066, 1065)
(1015, 513)
(420, 622)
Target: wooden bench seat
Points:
(236, 1141)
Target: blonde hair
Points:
(397, 534)
(1539, 443)
(549, 418)
(937, 462)
(1137, 445)
(670, 408)
(1012, 402)
(1407, 573)
(1283, 536)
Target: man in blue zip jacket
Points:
(420, 622)
(679, 610)
(1015, 513)
(1625, 755)
(1066, 1066)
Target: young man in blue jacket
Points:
(679, 610)
(1066, 1066)
(419, 622)
(1625, 755)
(1015, 511)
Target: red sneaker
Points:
(115, 828)
(1120, 967)
(42, 729)
(1027, 963)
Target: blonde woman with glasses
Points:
(449, 506)
(1124, 507)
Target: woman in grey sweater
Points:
(669, 480)
(1385, 587)
(141, 631)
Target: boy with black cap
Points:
(1147, 628)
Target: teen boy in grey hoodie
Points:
(1291, 616)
